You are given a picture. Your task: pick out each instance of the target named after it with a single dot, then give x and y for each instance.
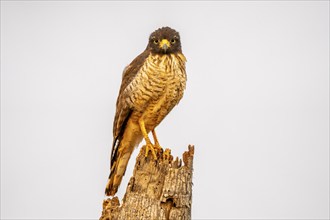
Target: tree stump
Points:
(160, 189)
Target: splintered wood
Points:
(160, 189)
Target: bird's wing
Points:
(123, 110)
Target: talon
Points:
(158, 147)
(151, 148)
(167, 154)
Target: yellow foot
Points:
(150, 147)
(167, 154)
(158, 147)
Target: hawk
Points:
(152, 84)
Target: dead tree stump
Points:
(160, 189)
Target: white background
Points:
(256, 105)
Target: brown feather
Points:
(123, 111)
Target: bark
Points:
(160, 189)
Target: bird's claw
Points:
(150, 147)
(167, 154)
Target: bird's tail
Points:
(119, 162)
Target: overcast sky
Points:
(256, 105)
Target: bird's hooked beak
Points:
(164, 44)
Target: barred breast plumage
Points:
(151, 86)
(157, 88)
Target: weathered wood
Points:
(160, 189)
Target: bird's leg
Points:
(167, 153)
(149, 145)
(156, 139)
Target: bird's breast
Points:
(158, 87)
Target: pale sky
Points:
(256, 105)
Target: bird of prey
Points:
(152, 84)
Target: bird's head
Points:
(164, 40)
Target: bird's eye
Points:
(156, 41)
(173, 41)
